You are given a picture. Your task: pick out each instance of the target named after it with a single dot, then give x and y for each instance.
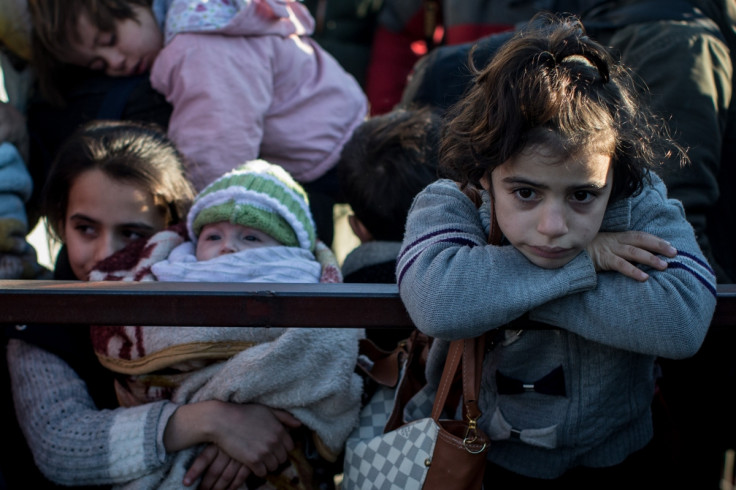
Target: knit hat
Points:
(257, 195)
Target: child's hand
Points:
(222, 471)
(255, 435)
(620, 252)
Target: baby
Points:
(251, 225)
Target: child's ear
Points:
(359, 229)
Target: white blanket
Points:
(265, 264)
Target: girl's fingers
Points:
(240, 477)
(286, 418)
(215, 471)
(649, 243)
(226, 477)
(640, 256)
(200, 464)
(628, 269)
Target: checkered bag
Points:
(394, 461)
(428, 453)
(374, 415)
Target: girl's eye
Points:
(582, 196)
(525, 194)
(212, 237)
(108, 39)
(250, 238)
(131, 235)
(85, 230)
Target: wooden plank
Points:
(224, 304)
(197, 304)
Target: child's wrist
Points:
(192, 424)
(212, 417)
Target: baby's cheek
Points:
(200, 251)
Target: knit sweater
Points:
(599, 362)
(74, 443)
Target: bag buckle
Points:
(471, 436)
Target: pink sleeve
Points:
(220, 95)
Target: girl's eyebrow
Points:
(82, 217)
(525, 181)
(133, 224)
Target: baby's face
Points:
(130, 49)
(226, 238)
(551, 208)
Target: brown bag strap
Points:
(452, 362)
(385, 365)
(473, 353)
(413, 378)
(468, 354)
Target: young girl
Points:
(244, 77)
(251, 225)
(552, 134)
(111, 184)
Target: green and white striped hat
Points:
(259, 195)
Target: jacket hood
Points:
(233, 17)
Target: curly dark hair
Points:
(551, 85)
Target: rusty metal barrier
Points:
(227, 304)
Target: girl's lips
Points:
(141, 67)
(550, 252)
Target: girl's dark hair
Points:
(125, 151)
(54, 25)
(552, 85)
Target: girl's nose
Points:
(114, 61)
(552, 221)
(105, 247)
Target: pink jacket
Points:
(258, 87)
